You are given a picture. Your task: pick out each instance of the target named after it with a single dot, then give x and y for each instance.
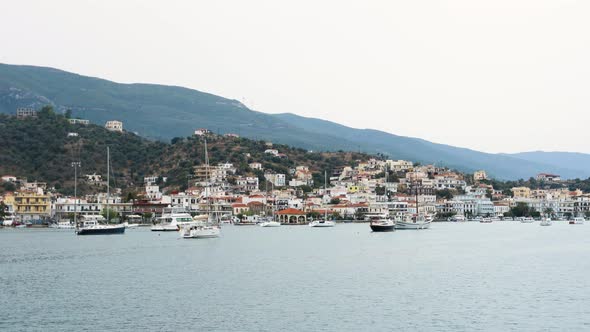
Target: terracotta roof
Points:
(236, 205)
(291, 211)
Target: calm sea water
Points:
(454, 277)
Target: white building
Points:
(273, 152)
(114, 125)
(202, 132)
(277, 179)
(255, 166)
(79, 121)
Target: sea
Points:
(503, 276)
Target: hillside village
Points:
(266, 184)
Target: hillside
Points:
(163, 112)
(40, 150)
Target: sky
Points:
(494, 76)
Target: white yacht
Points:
(270, 223)
(173, 218)
(577, 221)
(322, 223)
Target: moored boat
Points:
(322, 223)
(577, 221)
(546, 222)
(90, 225)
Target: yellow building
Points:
(521, 192)
(32, 205)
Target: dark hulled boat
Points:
(382, 225)
(101, 230)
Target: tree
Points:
(444, 193)
(112, 214)
(68, 114)
(521, 210)
(549, 212)
(3, 210)
(335, 200)
(379, 190)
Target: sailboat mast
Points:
(108, 184)
(325, 193)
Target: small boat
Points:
(90, 226)
(577, 221)
(486, 220)
(128, 225)
(527, 220)
(8, 222)
(206, 227)
(546, 222)
(200, 231)
(382, 224)
(63, 225)
(322, 223)
(270, 223)
(420, 222)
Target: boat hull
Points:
(322, 224)
(270, 224)
(382, 228)
(202, 233)
(412, 225)
(164, 228)
(101, 230)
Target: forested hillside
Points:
(40, 149)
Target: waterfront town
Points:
(372, 187)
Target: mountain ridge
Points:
(163, 112)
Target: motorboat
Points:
(270, 223)
(322, 223)
(9, 222)
(577, 221)
(90, 225)
(486, 220)
(200, 231)
(458, 218)
(527, 220)
(381, 223)
(546, 222)
(173, 218)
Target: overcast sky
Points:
(496, 76)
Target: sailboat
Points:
(325, 222)
(91, 226)
(272, 222)
(210, 228)
(419, 222)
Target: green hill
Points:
(41, 150)
(163, 112)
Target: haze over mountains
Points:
(163, 112)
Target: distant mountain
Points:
(578, 163)
(163, 112)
